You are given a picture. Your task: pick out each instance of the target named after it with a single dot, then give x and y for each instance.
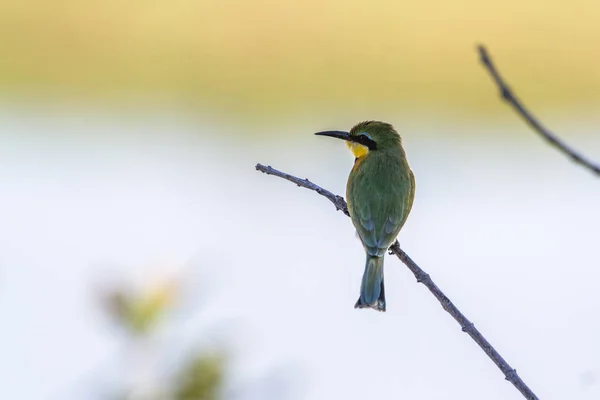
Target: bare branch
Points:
(508, 96)
(338, 201)
(424, 278)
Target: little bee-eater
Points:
(380, 193)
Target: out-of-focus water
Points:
(505, 225)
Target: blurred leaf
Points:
(201, 379)
(141, 313)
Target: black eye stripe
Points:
(366, 141)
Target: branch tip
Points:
(483, 55)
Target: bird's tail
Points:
(372, 293)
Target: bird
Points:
(380, 192)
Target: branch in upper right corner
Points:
(507, 94)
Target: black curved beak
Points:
(336, 134)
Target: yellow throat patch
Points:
(357, 149)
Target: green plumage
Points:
(380, 193)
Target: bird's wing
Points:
(378, 222)
(376, 234)
(411, 197)
(365, 226)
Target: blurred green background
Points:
(143, 257)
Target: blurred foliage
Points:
(139, 313)
(200, 379)
(273, 56)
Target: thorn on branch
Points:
(510, 375)
(423, 278)
(468, 327)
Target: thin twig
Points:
(424, 278)
(508, 96)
